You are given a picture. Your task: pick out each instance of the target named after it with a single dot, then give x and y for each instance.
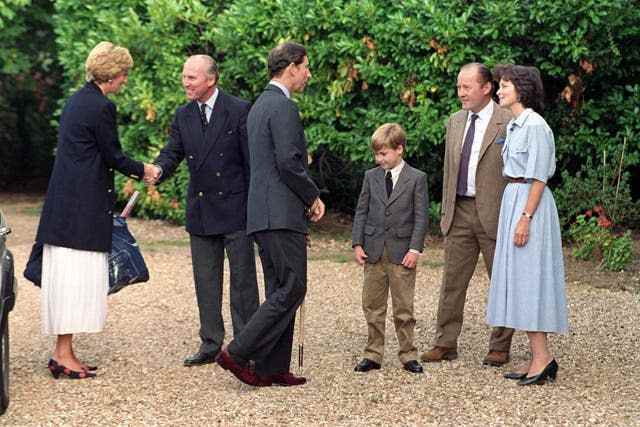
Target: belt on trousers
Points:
(460, 197)
(518, 180)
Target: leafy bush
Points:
(598, 243)
(372, 61)
(29, 89)
(592, 186)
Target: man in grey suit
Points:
(282, 198)
(471, 193)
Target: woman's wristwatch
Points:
(527, 215)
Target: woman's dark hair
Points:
(284, 54)
(527, 82)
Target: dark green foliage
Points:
(596, 243)
(29, 89)
(375, 61)
(595, 185)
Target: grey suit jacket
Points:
(398, 221)
(280, 188)
(489, 181)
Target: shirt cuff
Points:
(159, 167)
(415, 251)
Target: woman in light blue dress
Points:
(527, 284)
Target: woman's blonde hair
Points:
(106, 61)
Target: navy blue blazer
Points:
(218, 162)
(78, 207)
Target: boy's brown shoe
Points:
(438, 354)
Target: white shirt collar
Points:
(484, 115)
(281, 87)
(211, 101)
(395, 172)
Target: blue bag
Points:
(126, 264)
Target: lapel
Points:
(493, 128)
(401, 185)
(195, 126)
(217, 124)
(380, 187)
(457, 135)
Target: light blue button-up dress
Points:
(527, 283)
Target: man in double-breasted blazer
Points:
(210, 133)
(282, 198)
(471, 193)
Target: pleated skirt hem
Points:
(74, 290)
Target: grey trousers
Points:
(207, 253)
(268, 337)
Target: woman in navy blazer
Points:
(76, 222)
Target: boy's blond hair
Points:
(389, 135)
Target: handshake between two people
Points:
(152, 174)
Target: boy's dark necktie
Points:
(389, 183)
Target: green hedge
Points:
(29, 90)
(373, 61)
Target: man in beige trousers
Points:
(471, 194)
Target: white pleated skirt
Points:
(74, 290)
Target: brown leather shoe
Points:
(438, 354)
(496, 358)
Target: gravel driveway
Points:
(151, 327)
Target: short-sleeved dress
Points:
(527, 283)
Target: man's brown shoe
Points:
(496, 358)
(438, 354)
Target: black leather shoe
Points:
(201, 358)
(549, 374)
(366, 365)
(413, 366)
(515, 375)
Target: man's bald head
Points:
(208, 64)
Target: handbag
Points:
(126, 263)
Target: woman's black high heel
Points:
(549, 373)
(515, 375)
(57, 369)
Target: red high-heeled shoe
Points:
(57, 369)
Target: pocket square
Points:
(500, 141)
